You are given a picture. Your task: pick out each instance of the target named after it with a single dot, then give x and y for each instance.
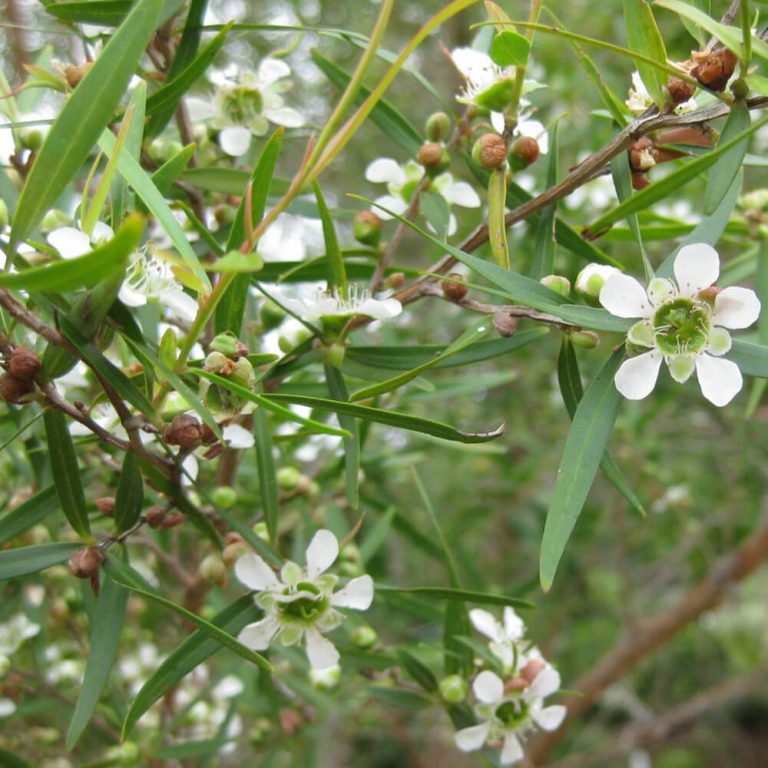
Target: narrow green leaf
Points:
(83, 271)
(244, 264)
(170, 170)
(338, 391)
(122, 197)
(460, 595)
(105, 13)
(497, 208)
(457, 657)
(510, 49)
(660, 189)
(193, 652)
(544, 249)
(584, 447)
(419, 671)
(751, 358)
(130, 579)
(337, 276)
(436, 212)
(66, 473)
(28, 514)
(390, 418)
(643, 37)
(142, 185)
(130, 494)
(725, 170)
(83, 118)
(162, 103)
(384, 115)
(268, 487)
(104, 636)
(231, 307)
(24, 560)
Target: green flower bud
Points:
(288, 478)
(212, 569)
(366, 227)
(434, 157)
(224, 496)
(454, 689)
(260, 529)
(590, 281)
(585, 339)
(364, 637)
(557, 283)
(335, 354)
(244, 373)
(127, 753)
(216, 362)
(31, 138)
(228, 344)
(438, 126)
(271, 315)
(523, 152)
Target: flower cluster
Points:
(301, 604)
(510, 706)
(682, 323)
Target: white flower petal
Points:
(720, 342)
(384, 169)
(681, 367)
(720, 380)
(514, 627)
(488, 687)
(512, 751)
(623, 296)
(498, 121)
(660, 290)
(471, 62)
(452, 225)
(380, 309)
(271, 70)
(7, 707)
(321, 552)
(549, 718)
(637, 376)
(358, 594)
(321, 652)
(199, 109)
(235, 140)
(736, 308)
(697, 266)
(285, 116)
(461, 193)
(252, 571)
(391, 203)
(238, 437)
(258, 636)
(545, 683)
(181, 303)
(485, 622)
(131, 297)
(70, 242)
(472, 738)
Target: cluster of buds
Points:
(227, 359)
(22, 366)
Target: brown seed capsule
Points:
(155, 516)
(455, 289)
(532, 669)
(713, 69)
(642, 155)
(505, 324)
(23, 363)
(106, 505)
(185, 431)
(207, 435)
(85, 563)
(639, 181)
(75, 73)
(171, 521)
(680, 90)
(523, 152)
(13, 390)
(433, 156)
(396, 280)
(490, 151)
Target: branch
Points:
(652, 633)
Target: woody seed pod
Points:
(13, 390)
(680, 90)
(184, 431)
(85, 563)
(714, 69)
(455, 289)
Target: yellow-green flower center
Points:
(242, 104)
(512, 713)
(681, 326)
(308, 608)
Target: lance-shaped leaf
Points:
(130, 494)
(83, 117)
(105, 13)
(584, 447)
(334, 259)
(24, 560)
(751, 358)
(338, 390)
(66, 473)
(265, 462)
(725, 170)
(457, 595)
(34, 510)
(544, 251)
(104, 635)
(643, 37)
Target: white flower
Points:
(150, 278)
(505, 717)
(682, 325)
(638, 98)
(7, 707)
(301, 604)
(319, 303)
(504, 637)
(245, 103)
(71, 242)
(402, 180)
(591, 279)
(14, 632)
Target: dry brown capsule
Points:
(642, 155)
(453, 288)
(85, 563)
(23, 363)
(680, 90)
(106, 505)
(713, 69)
(433, 156)
(505, 324)
(184, 431)
(490, 151)
(13, 390)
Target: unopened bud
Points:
(243, 373)
(155, 516)
(454, 689)
(585, 339)
(740, 88)
(505, 324)
(434, 157)
(288, 478)
(171, 521)
(75, 73)
(680, 90)
(23, 363)
(224, 496)
(232, 552)
(490, 151)
(219, 363)
(714, 69)
(31, 138)
(364, 637)
(438, 127)
(271, 315)
(335, 353)
(642, 155)
(224, 214)
(228, 344)
(453, 289)
(396, 280)
(14, 390)
(366, 228)
(590, 280)
(523, 152)
(213, 570)
(85, 563)
(557, 283)
(260, 530)
(532, 669)
(184, 431)
(106, 505)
